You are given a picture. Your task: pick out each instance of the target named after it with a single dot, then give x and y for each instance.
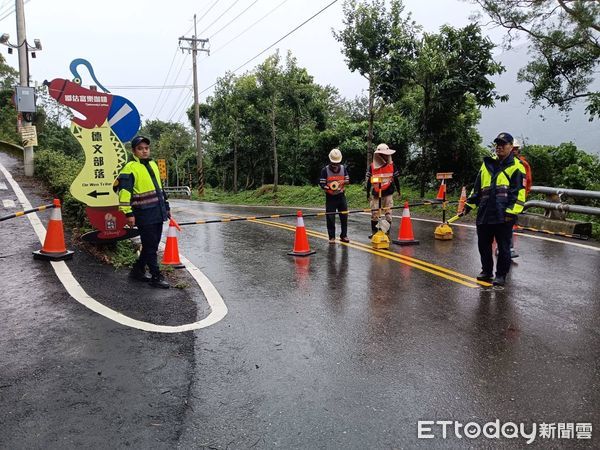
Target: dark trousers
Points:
(486, 234)
(335, 203)
(150, 236)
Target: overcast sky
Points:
(134, 43)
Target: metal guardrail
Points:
(178, 190)
(554, 206)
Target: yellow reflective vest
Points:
(499, 190)
(140, 193)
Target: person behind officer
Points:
(528, 181)
(144, 202)
(383, 168)
(334, 178)
(499, 195)
(528, 174)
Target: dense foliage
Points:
(564, 42)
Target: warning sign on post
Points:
(444, 175)
(162, 168)
(28, 136)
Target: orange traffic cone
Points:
(301, 247)
(54, 243)
(405, 232)
(171, 253)
(462, 200)
(441, 195)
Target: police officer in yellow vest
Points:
(499, 193)
(144, 202)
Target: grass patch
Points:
(314, 197)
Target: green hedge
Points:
(58, 171)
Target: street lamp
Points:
(29, 48)
(23, 50)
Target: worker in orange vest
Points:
(528, 178)
(383, 168)
(334, 179)
(527, 182)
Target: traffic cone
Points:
(301, 247)
(405, 232)
(462, 200)
(171, 253)
(441, 195)
(54, 243)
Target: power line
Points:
(276, 42)
(203, 16)
(248, 28)
(174, 81)
(179, 101)
(232, 20)
(12, 10)
(165, 82)
(222, 14)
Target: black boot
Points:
(374, 228)
(139, 273)
(158, 281)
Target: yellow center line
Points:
(442, 272)
(417, 264)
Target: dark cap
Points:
(504, 138)
(138, 140)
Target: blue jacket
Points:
(499, 190)
(141, 193)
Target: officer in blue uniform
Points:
(499, 195)
(144, 202)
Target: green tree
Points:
(270, 81)
(53, 122)
(370, 33)
(563, 166)
(173, 142)
(564, 42)
(8, 112)
(447, 83)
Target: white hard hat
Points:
(335, 156)
(516, 143)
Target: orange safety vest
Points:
(339, 177)
(528, 178)
(386, 173)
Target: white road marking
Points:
(7, 203)
(3, 186)
(541, 238)
(214, 299)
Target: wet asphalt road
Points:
(344, 349)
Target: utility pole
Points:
(194, 41)
(23, 49)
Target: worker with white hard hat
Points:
(334, 178)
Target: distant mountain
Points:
(515, 117)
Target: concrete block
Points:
(540, 222)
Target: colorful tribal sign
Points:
(101, 124)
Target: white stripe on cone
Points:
(56, 215)
(405, 212)
(172, 232)
(300, 222)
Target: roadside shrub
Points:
(58, 171)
